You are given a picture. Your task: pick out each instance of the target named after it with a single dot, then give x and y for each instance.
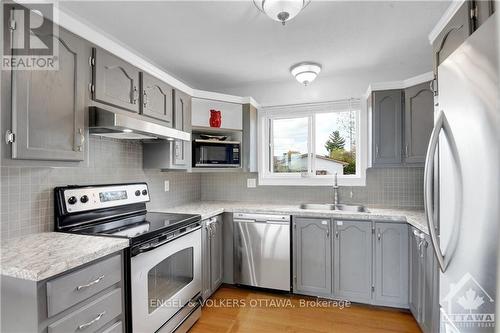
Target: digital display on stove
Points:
(112, 196)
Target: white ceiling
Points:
(226, 46)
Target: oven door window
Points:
(169, 277)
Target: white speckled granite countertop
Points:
(40, 256)
(208, 209)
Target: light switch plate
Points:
(166, 186)
(251, 182)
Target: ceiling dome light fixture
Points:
(305, 72)
(281, 10)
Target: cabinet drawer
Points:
(115, 328)
(75, 287)
(92, 316)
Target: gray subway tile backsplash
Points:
(27, 205)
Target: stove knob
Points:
(137, 193)
(144, 192)
(72, 200)
(84, 199)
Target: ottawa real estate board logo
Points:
(467, 307)
(30, 37)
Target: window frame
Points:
(265, 147)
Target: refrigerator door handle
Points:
(441, 124)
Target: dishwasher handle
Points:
(261, 221)
(267, 218)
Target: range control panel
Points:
(92, 198)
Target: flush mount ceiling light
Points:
(305, 72)
(281, 10)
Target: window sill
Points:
(310, 181)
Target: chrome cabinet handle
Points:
(406, 150)
(145, 99)
(90, 284)
(336, 234)
(441, 125)
(82, 140)
(327, 233)
(376, 151)
(96, 319)
(135, 95)
(379, 236)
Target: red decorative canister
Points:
(215, 118)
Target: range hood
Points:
(118, 125)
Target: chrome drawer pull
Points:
(83, 286)
(99, 316)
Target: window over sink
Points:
(307, 144)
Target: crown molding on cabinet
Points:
(77, 26)
(443, 21)
(403, 84)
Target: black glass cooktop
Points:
(140, 226)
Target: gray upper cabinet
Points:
(387, 128)
(391, 264)
(453, 35)
(483, 9)
(48, 106)
(418, 122)
(312, 256)
(353, 260)
(182, 121)
(157, 99)
(115, 82)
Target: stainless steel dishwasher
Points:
(262, 250)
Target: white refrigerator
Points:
(462, 183)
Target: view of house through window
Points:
(333, 146)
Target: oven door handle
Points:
(148, 248)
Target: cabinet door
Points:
(391, 264)
(116, 82)
(216, 252)
(312, 256)
(182, 121)
(415, 290)
(453, 35)
(430, 306)
(387, 126)
(205, 260)
(49, 106)
(419, 121)
(352, 263)
(157, 99)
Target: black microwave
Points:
(213, 154)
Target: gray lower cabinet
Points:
(360, 261)
(424, 275)
(212, 261)
(387, 127)
(49, 106)
(312, 256)
(115, 81)
(418, 122)
(352, 264)
(157, 99)
(391, 264)
(85, 299)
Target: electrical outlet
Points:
(166, 186)
(251, 183)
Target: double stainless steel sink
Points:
(340, 207)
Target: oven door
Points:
(164, 280)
